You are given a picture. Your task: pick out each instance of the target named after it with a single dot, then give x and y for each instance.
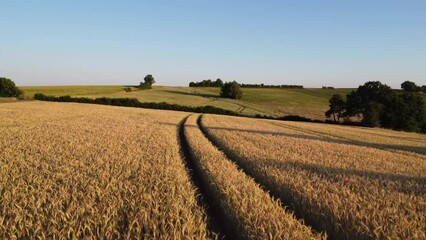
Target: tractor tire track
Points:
(249, 172)
(215, 226)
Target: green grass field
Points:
(70, 90)
(310, 103)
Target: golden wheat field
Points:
(349, 191)
(88, 171)
(81, 171)
(378, 138)
(251, 210)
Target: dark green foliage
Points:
(325, 87)
(127, 89)
(207, 83)
(269, 86)
(295, 118)
(8, 88)
(410, 87)
(218, 83)
(133, 102)
(380, 106)
(371, 117)
(263, 116)
(410, 114)
(337, 107)
(148, 81)
(370, 100)
(358, 101)
(231, 90)
(423, 89)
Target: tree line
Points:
(207, 83)
(377, 105)
(220, 83)
(133, 102)
(246, 85)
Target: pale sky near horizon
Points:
(337, 43)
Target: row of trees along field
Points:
(207, 83)
(246, 85)
(219, 83)
(379, 106)
(228, 89)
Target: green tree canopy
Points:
(358, 101)
(8, 88)
(231, 90)
(409, 112)
(207, 83)
(218, 83)
(379, 105)
(410, 86)
(148, 81)
(337, 106)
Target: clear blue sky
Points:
(340, 43)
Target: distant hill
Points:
(309, 102)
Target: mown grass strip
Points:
(247, 210)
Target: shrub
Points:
(8, 88)
(231, 90)
(296, 118)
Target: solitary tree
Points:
(8, 88)
(148, 81)
(231, 90)
(337, 107)
(410, 86)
